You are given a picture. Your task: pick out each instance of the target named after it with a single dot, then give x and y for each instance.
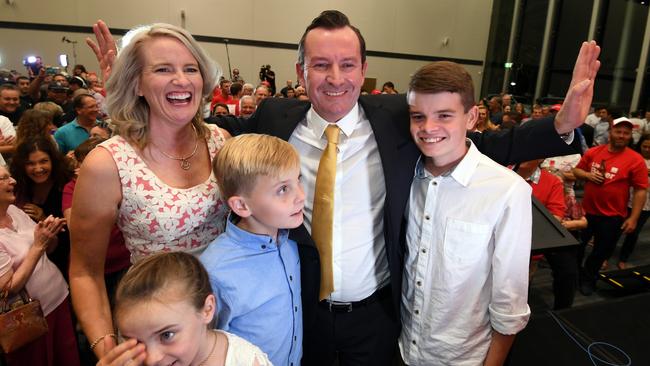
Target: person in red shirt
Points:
(609, 171)
(549, 190)
(222, 94)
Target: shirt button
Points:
(424, 250)
(427, 217)
(417, 312)
(263, 246)
(295, 338)
(419, 283)
(434, 183)
(413, 342)
(290, 278)
(296, 308)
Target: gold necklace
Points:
(214, 346)
(184, 161)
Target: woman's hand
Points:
(34, 211)
(129, 353)
(105, 49)
(46, 231)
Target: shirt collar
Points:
(347, 124)
(251, 240)
(534, 178)
(462, 172)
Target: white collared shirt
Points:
(466, 271)
(360, 266)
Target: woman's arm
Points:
(93, 214)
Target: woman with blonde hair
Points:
(154, 174)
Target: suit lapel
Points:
(286, 122)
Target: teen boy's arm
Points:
(509, 311)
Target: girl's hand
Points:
(129, 353)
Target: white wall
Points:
(411, 27)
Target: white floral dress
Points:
(155, 217)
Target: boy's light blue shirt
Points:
(256, 281)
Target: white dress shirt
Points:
(360, 266)
(466, 272)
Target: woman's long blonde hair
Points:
(130, 112)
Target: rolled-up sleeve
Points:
(509, 311)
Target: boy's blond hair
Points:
(244, 158)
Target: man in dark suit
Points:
(359, 321)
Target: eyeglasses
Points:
(5, 177)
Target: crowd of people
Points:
(287, 243)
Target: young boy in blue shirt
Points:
(253, 266)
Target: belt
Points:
(347, 307)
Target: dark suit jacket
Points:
(389, 118)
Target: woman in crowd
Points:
(41, 172)
(483, 123)
(35, 123)
(155, 175)
(165, 307)
(23, 264)
(519, 108)
(643, 148)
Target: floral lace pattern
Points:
(156, 217)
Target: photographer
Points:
(268, 75)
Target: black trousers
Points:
(631, 238)
(606, 231)
(365, 336)
(565, 276)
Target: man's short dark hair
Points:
(21, 77)
(236, 88)
(9, 87)
(78, 101)
(330, 19)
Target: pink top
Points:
(154, 216)
(46, 283)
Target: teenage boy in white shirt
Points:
(465, 285)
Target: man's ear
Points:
(300, 73)
(238, 205)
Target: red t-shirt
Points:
(117, 256)
(549, 190)
(623, 170)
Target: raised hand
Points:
(581, 90)
(105, 49)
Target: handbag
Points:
(20, 322)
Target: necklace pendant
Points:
(185, 164)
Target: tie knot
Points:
(332, 134)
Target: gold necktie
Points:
(322, 219)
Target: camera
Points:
(33, 63)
